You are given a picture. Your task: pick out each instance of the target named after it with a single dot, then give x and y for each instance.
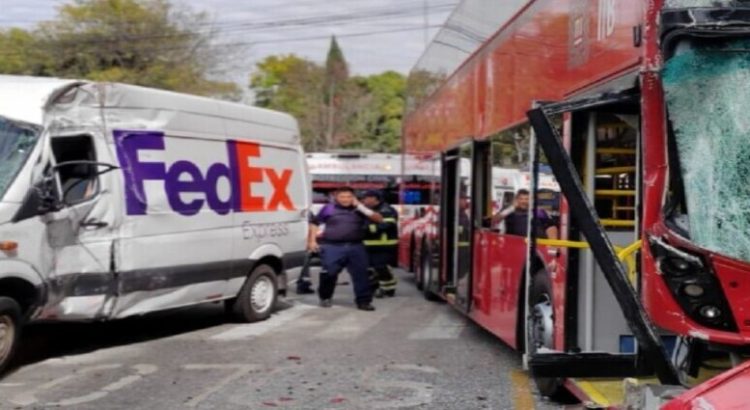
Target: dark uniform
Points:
(517, 223)
(341, 247)
(381, 241)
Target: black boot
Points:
(367, 307)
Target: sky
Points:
(375, 35)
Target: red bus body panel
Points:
(498, 269)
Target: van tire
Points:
(258, 295)
(10, 330)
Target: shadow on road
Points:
(43, 341)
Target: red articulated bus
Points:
(638, 108)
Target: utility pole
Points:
(426, 11)
(331, 114)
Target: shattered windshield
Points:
(16, 143)
(707, 86)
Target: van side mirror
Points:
(42, 198)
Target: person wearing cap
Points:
(381, 241)
(340, 246)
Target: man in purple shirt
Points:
(516, 219)
(340, 246)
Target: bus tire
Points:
(426, 275)
(413, 266)
(10, 330)
(541, 329)
(258, 295)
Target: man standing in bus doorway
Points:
(516, 219)
(381, 241)
(341, 246)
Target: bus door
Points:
(456, 226)
(597, 313)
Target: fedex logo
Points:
(185, 177)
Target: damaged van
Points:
(118, 200)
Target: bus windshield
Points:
(16, 143)
(707, 86)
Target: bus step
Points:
(586, 365)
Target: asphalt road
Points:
(409, 354)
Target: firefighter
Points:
(381, 241)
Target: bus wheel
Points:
(426, 275)
(541, 329)
(10, 330)
(414, 268)
(258, 295)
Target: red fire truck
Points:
(638, 107)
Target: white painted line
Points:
(12, 384)
(355, 324)
(445, 326)
(240, 370)
(258, 329)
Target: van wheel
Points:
(258, 295)
(541, 329)
(10, 330)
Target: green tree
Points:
(367, 109)
(376, 125)
(20, 53)
(294, 85)
(338, 90)
(143, 42)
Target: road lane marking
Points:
(445, 326)
(523, 398)
(355, 324)
(141, 370)
(239, 371)
(28, 397)
(258, 329)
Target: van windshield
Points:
(16, 143)
(707, 86)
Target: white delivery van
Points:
(118, 200)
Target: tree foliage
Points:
(334, 109)
(145, 42)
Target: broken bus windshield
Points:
(707, 87)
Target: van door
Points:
(81, 234)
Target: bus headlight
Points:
(710, 312)
(693, 290)
(694, 286)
